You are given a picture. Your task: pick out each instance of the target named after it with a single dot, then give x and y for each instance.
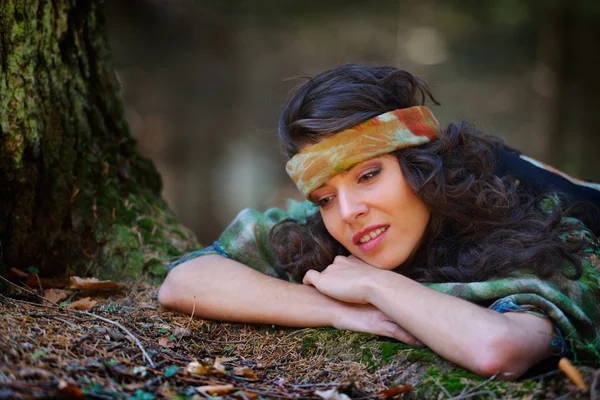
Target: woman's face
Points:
(373, 212)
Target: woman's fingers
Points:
(309, 276)
(392, 330)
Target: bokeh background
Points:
(204, 82)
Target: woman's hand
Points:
(368, 319)
(347, 279)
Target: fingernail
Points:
(418, 343)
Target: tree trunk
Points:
(75, 195)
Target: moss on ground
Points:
(430, 375)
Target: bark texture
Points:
(75, 195)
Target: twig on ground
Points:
(131, 335)
(489, 393)
(22, 288)
(203, 393)
(49, 316)
(315, 385)
(567, 395)
(225, 341)
(39, 283)
(189, 321)
(438, 384)
(109, 321)
(476, 387)
(594, 387)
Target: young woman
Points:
(433, 237)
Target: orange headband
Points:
(394, 130)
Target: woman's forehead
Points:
(387, 156)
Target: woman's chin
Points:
(387, 265)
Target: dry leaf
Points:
(91, 284)
(195, 368)
(393, 391)
(35, 373)
(181, 332)
(82, 304)
(215, 389)
(16, 274)
(132, 387)
(249, 395)
(331, 394)
(55, 295)
(115, 335)
(573, 373)
(147, 306)
(165, 342)
(246, 372)
(218, 366)
(69, 391)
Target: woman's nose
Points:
(352, 207)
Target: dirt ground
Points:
(121, 344)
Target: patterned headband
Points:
(394, 130)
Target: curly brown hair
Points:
(482, 226)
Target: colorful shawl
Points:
(572, 305)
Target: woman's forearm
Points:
(223, 289)
(477, 338)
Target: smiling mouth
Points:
(372, 235)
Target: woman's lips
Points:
(373, 242)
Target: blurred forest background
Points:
(204, 81)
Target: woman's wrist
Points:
(324, 310)
(378, 283)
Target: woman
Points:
(416, 236)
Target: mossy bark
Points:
(75, 195)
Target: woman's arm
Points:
(481, 340)
(223, 289)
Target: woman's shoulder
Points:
(298, 211)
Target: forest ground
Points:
(119, 343)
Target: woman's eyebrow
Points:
(347, 171)
(343, 173)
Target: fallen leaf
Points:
(33, 280)
(572, 372)
(147, 306)
(181, 332)
(165, 342)
(91, 284)
(69, 391)
(246, 372)
(115, 335)
(218, 366)
(248, 395)
(215, 389)
(331, 394)
(35, 373)
(82, 304)
(55, 295)
(16, 274)
(393, 391)
(195, 368)
(132, 387)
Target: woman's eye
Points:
(367, 176)
(323, 202)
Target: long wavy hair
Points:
(482, 226)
